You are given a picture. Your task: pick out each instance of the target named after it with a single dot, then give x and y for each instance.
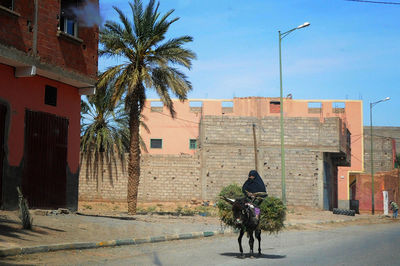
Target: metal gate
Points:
(327, 187)
(45, 160)
(3, 112)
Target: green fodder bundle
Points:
(272, 215)
(272, 210)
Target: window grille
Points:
(156, 143)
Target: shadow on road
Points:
(262, 256)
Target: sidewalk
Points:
(75, 231)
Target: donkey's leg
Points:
(251, 242)
(240, 241)
(258, 236)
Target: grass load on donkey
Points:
(272, 210)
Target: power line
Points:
(375, 2)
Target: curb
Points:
(111, 243)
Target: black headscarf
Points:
(254, 185)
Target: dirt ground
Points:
(122, 207)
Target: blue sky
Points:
(350, 51)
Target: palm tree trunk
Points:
(134, 157)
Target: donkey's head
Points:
(242, 213)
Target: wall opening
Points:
(156, 106)
(227, 107)
(196, 106)
(338, 107)
(314, 107)
(50, 95)
(274, 107)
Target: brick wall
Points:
(390, 132)
(228, 154)
(17, 32)
(163, 178)
(382, 151)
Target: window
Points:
(68, 20)
(50, 95)
(7, 4)
(274, 107)
(156, 143)
(192, 144)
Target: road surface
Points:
(377, 244)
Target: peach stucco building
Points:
(181, 135)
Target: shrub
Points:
(272, 210)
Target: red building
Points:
(48, 59)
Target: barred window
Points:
(156, 143)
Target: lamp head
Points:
(305, 24)
(387, 99)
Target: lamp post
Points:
(281, 36)
(372, 153)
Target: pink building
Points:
(181, 135)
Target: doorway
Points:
(45, 160)
(3, 113)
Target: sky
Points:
(351, 50)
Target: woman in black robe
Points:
(252, 185)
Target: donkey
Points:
(244, 216)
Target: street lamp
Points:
(372, 152)
(281, 36)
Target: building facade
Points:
(48, 59)
(214, 143)
(183, 134)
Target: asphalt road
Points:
(377, 244)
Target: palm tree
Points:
(150, 63)
(104, 128)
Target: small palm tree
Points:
(104, 128)
(150, 61)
